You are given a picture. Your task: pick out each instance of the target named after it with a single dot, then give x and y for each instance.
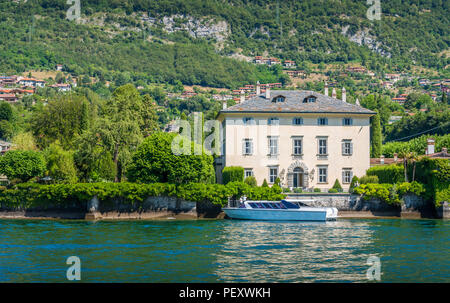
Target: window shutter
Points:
(243, 147)
(251, 147)
(351, 148)
(343, 176)
(343, 148)
(326, 121)
(351, 176)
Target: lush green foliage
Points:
(353, 184)
(375, 138)
(337, 186)
(301, 30)
(63, 119)
(60, 164)
(251, 181)
(154, 161)
(368, 179)
(417, 145)
(23, 165)
(431, 122)
(389, 193)
(232, 174)
(387, 173)
(31, 195)
(435, 175)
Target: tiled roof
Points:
(294, 103)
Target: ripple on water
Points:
(225, 251)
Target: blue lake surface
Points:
(225, 250)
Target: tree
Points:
(154, 161)
(24, 141)
(23, 165)
(60, 164)
(354, 183)
(119, 130)
(94, 163)
(251, 181)
(265, 184)
(376, 137)
(62, 119)
(6, 111)
(337, 186)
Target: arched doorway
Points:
(297, 175)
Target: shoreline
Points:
(167, 215)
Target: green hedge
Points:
(232, 174)
(388, 173)
(32, 195)
(435, 175)
(389, 193)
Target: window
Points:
(248, 172)
(273, 146)
(249, 121)
(297, 147)
(278, 99)
(347, 148)
(347, 175)
(310, 99)
(273, 121)
(322, 121)
(347, 121)
(247, 148)
(323, 151)
(273, 174)
(297, 121)
(323, 174)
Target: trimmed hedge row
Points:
(32, 195)
(388, 173)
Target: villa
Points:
(305, 138)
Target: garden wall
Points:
(354, 206)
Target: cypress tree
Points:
(376, 137)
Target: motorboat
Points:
(283, 210)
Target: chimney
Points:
(224, 105)
(382, 159)
(242, 96)
(333, 94)
(326, 89)
(430, 146)
(357, 102)
(395, 157)
(268, 93)
(258, 88)
(344, 95)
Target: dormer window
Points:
(249, 121)
(310, 99)
(274, 121)
(278, 99)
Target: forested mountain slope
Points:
(193, 40)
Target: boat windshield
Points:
(267, 205)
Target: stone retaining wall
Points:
(351, 205)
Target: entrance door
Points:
(298, 178)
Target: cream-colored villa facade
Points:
(307, 139)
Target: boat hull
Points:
(276, 215)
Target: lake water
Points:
(225, 250)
